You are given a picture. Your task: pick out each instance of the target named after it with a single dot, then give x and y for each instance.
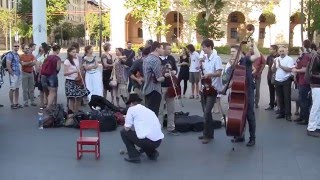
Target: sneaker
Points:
(315, 133)
(174, 132)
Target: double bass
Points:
(238, 103)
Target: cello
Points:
(238, 103)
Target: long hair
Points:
(69, 57)
(87, 49)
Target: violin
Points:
(206, 85)
(174, 89)
(238, 103)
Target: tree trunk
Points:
(302, 21)
(310, 37)
(6, 37)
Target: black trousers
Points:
(207, 103)
(284, 94)
(272, 92)
(251, 119)
(130, 139)
(153, 101)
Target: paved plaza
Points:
(283, 150)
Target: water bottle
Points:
(40, 118)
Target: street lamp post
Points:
(100, 29)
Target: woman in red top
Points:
(49, 75)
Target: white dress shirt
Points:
(211, 65)
(282, 75)
(203, 55)
(194, 64)
(145, 123)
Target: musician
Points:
(153, 77)
(212, 68)
(168, 62)
(136, 72)
(141, 128)
(248, 61)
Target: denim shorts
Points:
(49, 81)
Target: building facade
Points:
(285, 28)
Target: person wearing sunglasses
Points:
(15, 79)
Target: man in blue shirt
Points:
(13, 65)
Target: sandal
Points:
(191, 97)
(19, 106)
(13, 106)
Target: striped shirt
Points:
(151, 71)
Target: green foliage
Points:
(93, 25)
(268, 14)
(54, 15)
(209, 27)
(5, 19)
(151, 13)
(312, 9)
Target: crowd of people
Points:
(150, 74)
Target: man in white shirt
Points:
(283, 66)
(142, 128)
(212, 68)
(194, 74)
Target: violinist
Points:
(211, 68)
(248, 61)
(168, 62)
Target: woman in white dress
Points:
(93, 77)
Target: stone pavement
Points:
(283, 150)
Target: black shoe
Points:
(251, 142)
(298, 120)
(288, 118)
(313, 133)
(202, 137)
(280, 116)
(174, 132)
(303, 122)
(155, 156)
(238, 139)
(1, 105)
(133, 160)
(269, 108)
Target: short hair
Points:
(129, 42)
(155, 45)
(150, 41)
(120, 50)
(307, 44)
(237, 47)
(87, 48)
(56, 47)
(75, 45)
(24, 45)
(207, 43)
(106, 47)
(141, 48)
(165, 44)
(32, 44)
(146, 51)
(274, 47)
(313, 46)
(191, 48)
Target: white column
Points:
(281, 28)
(39, 20)
(117, 22)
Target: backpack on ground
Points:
(54, 116)
(4, 60)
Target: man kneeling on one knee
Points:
(142, 129)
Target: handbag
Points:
(294, 93)
(113, 82)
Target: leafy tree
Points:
(209, 26)
(313, 13)
(5, 19)
(151, 13)
(55, 14)
(93, 25)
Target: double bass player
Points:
(247, 61)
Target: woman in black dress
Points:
(184, 62)
(107, 64)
